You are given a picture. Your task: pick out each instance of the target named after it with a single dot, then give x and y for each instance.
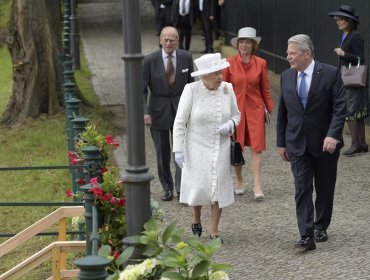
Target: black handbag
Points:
(237, 158)
(355, 76)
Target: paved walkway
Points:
(258, 237)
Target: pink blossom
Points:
(94, 181)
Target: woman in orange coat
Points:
(248, 75)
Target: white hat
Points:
(209, 63)
(245, 32)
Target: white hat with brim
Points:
(209, 63)
(245, 33)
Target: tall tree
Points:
(34, 43)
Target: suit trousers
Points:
(207, 31)
(320, 171)
(184, 27)
(162, 143)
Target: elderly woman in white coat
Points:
(203, 125)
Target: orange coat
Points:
(253, 94)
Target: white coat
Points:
(206, 174)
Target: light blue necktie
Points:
(302, 92)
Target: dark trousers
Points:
(184, 27)
(207, 31)
(162, 142)
(321, 172)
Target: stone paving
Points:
(258, 237)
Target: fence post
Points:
(93, 163)
(92, 267)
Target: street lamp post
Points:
(137, 176)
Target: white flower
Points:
(135, 272)
(219, 275)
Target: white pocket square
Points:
(184, 70)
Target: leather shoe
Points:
(178, 196)
(365, 148)
(167, 196)
(353, 151)
(306, 243)
(321, 235)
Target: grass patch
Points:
(5, 77)
(5, 8)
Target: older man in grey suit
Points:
(165, 73)
(310, 121)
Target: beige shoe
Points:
(259, 196)
(239, 191)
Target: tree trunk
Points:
(34, 42)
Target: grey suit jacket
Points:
(161, 104)
(298, 128)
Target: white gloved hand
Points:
(179, 158)
(225, 128)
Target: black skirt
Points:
(357, 103)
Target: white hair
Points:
(303, 41)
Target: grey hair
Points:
(303, 41)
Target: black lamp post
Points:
(137, 176)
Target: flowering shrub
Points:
(169, 256)
(109, 198)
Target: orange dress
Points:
(252, 89)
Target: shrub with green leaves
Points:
(169, 256)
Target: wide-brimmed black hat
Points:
(345, 11)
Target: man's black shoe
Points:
(178, 196)
(306, 243)
(321, 236)
(167, 196)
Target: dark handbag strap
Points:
(235, 133)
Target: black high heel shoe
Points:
(216, 237)
(197, 229)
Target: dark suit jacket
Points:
(162, 104)
(298, 128)
(353, 47)
(175, 12)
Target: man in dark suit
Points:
(309, 128)
(205, 10)
(165, 73)
(182, 19)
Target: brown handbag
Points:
(355, 76)
(237, 158)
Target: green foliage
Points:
(170, 257)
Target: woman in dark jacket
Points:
(351, 50)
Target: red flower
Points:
(106, 197)
(122, 202)
(72, 155)
(103, 170)
(69, 193)
(110, 141)
(97, 191)
(115, 254)
(81, 181)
